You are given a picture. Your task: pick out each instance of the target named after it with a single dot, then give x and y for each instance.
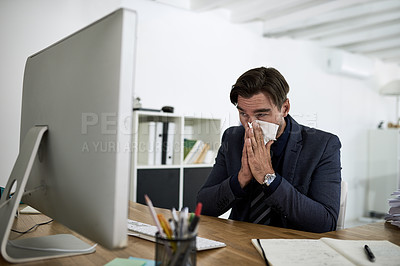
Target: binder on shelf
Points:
(158, 143)
(210, 157)
(167, 152)
(146, 138)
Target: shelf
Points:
(197, 165)
(172, 166)
(184, 179)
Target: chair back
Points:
(342, 210)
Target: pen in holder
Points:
(175, 251)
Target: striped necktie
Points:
(260, 212)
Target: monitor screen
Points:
(81, 90)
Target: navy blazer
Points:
(308, 197)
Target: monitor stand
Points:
(37, 248)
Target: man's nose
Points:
(252, 119)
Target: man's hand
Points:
(258, 154)
(245, 175)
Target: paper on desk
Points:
(394, 202)
(397, 192)
(393, 216)
(29, 210)
(126, 262)
(147, 262)
(396, 223)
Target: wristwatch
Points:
(268, 178)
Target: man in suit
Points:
(292, 182)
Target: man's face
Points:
(260, 107)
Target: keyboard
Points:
(148, 232)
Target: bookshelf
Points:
(170, 182)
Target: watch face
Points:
(269, 178)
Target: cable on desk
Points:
(32, 228)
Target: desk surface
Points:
(235, 234)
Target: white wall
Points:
(190, 60)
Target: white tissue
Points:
(269, 129)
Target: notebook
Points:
(327, 251)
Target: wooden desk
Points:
(236, 235)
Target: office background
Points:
(190, 60)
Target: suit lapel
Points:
(292, 152)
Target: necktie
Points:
(260, 212)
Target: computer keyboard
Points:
(147, 231)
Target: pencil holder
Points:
(174, 252)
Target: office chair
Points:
(342, 210)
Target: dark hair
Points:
(265, 80)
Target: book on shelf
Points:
(195, 152)
(326, 251)
(146, 136)
(187, 146)
(202, 155)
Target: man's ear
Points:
(285, 107)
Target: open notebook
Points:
(327, 251)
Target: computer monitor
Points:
(75, 152)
